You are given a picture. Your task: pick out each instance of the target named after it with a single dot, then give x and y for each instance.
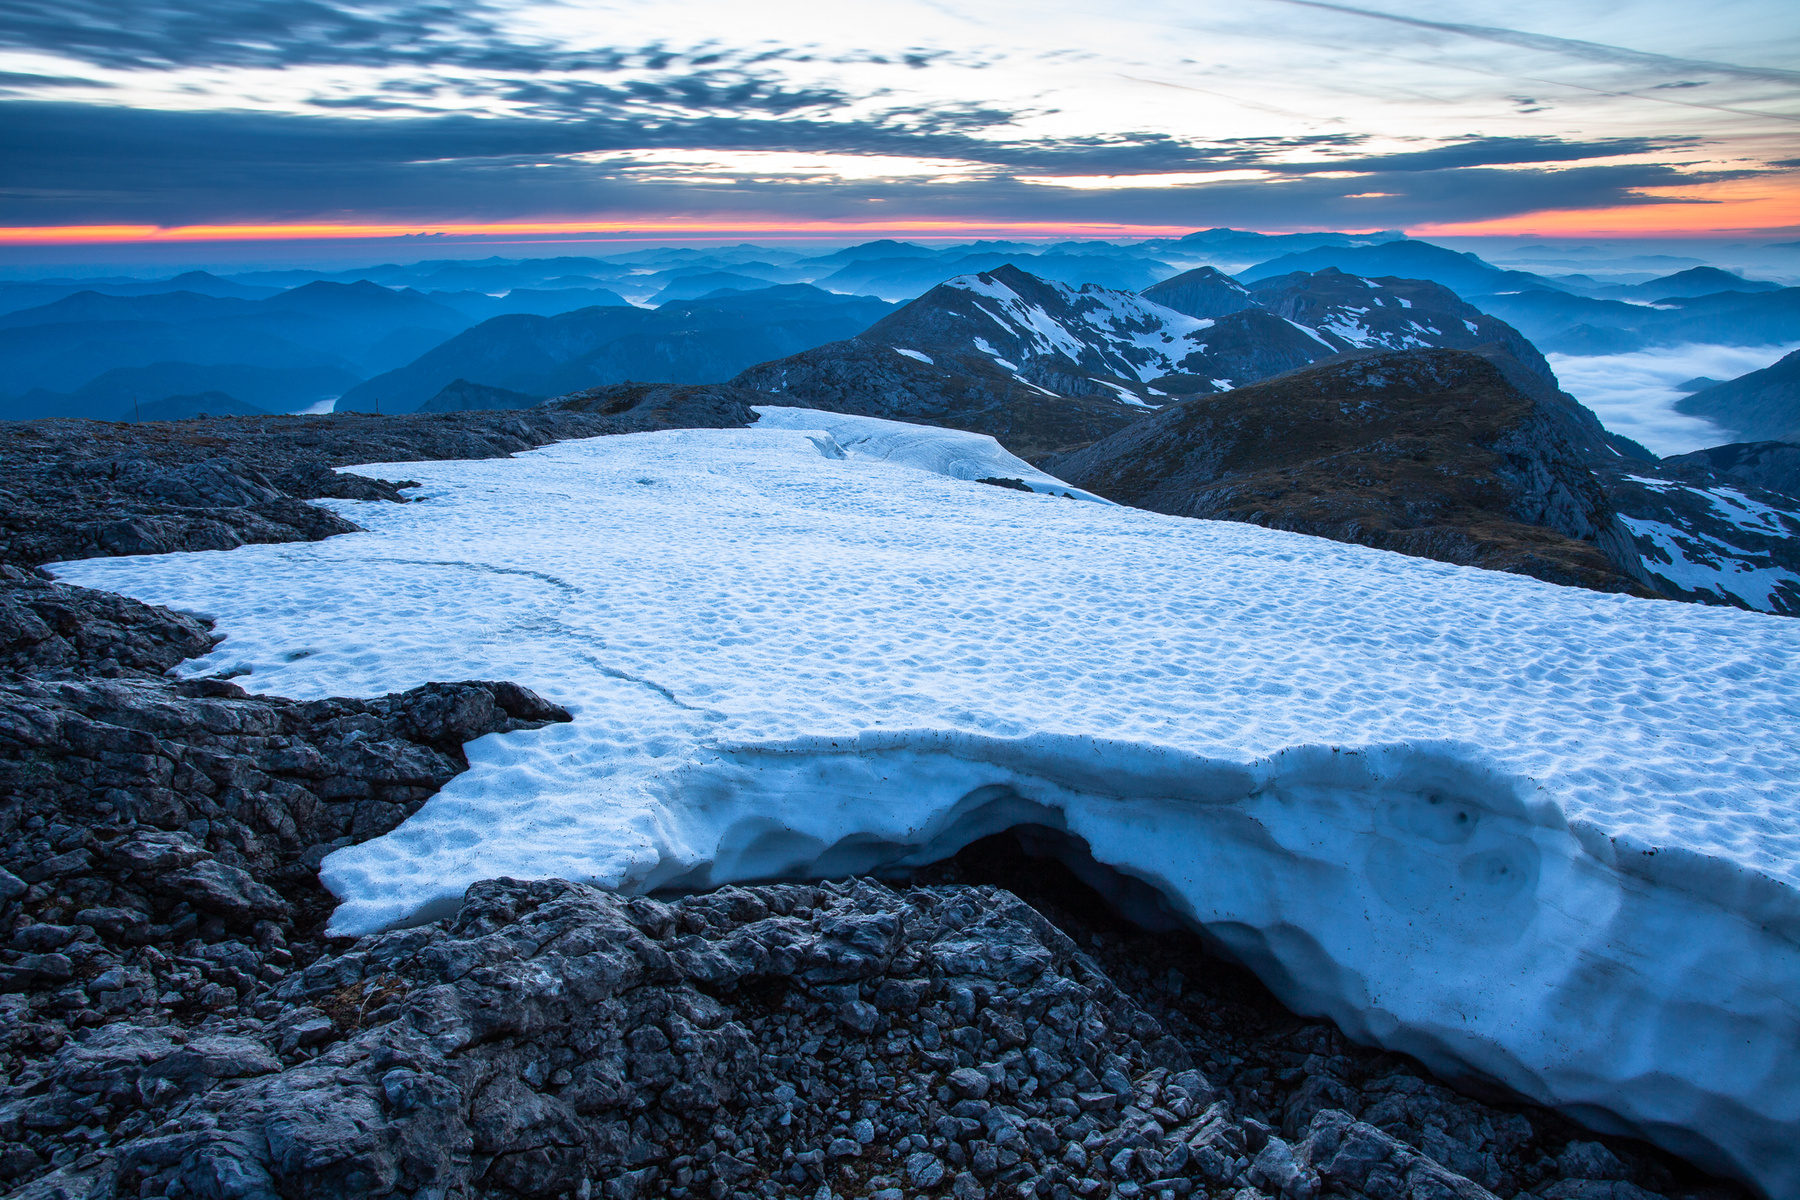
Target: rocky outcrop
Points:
(651, 406)
(1431, 453)
(790, 1040)
(159, 845)
(83, 489)
(459, 395)
(52, 630)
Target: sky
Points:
(226, 121)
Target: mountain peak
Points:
(1202, 292)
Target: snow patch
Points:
(924, 358)
(1529, 834)
(951, 453)
(1313, 334)
(1126, 395)
(1696, 562)
(982, 345)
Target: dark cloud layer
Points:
(76, 164)
(391, 153)
(261, 33)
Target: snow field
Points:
(1529, 834)
(947, 452)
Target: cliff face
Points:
(1430, 453)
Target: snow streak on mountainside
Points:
(1048, 367)
(1527, 833)
(1114, 333)
(1719, 545)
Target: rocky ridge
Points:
(1772, 466)
(841, 1039)
(1046, 368)
(81, 489)
(1430, 453)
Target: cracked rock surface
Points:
(789, 1040)
(85, 489)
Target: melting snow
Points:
(1699, 563)
(1531, 833)
(924, 358)
(1126, 395)
(1313, 334)
(982, 345)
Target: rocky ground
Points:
(82, 489)
(173, 1021)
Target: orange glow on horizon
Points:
(1741, 207)
(80, 235)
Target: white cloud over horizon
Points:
(1634, 394)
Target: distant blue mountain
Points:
(1464, 274)
(690, 341)
(272, 389)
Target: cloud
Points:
(79, 164)
(191, 111)
(266, 33)
(1634, 394)
(1570, 47)
(1497, 151)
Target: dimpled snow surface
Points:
(1526, 833)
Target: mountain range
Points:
(56, 352)
(1047, 367)
(696, 341)
(1464, 274)
(365, 321)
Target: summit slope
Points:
(1431, 453)
(1047, 367)
(1533, 836)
